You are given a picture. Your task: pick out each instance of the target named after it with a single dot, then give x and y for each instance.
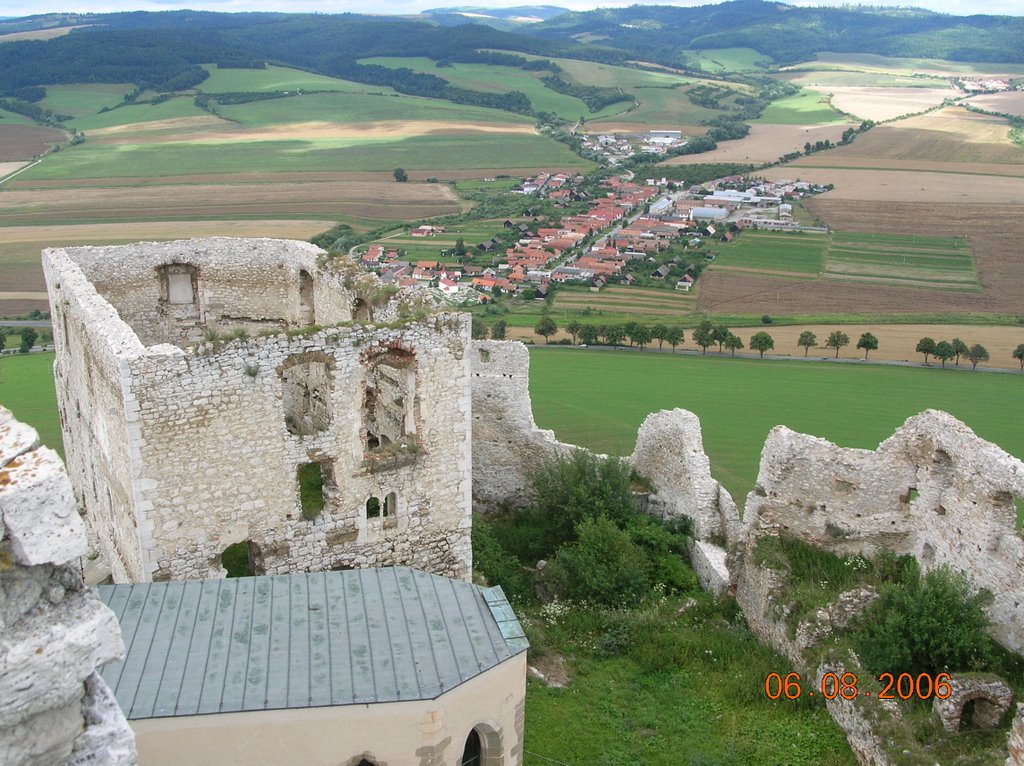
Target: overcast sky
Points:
(29, 7)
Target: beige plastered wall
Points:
(421, 733)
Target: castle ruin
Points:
(220, 392)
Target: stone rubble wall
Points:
(1015, 740)
(508, 447)
(55, 710)
(934, 490)
(177, 453)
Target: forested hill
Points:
(789, 34)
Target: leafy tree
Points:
(499, 330)
(837, 339)
(761, 342)
(1018, 353)
(977, 353)
(28, 339)
(604, 566)
(460, 246)
(614, 334)
(660, 333)
(719, 334)
(766, 319)
(642, 335)
(926, 346)
(703, 335)
(932, 624)
(573, 328)
(944, 351)
(674, 337)
(868, 342)
(733, 343)
(589, 334)
(400, 175)
(546, 327)
(628, 329)
(959, 348)
(3, 339)
(807, 340)
(478, 328)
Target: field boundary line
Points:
(7, 178)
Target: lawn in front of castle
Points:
(598, 399)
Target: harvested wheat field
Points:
(21, 273)
(22, 142)
(935, 186)
(40, 34)
(367, 199)
(884, 103)
(6, 168)
(994, 232)
(1011, 102)
(764, 143)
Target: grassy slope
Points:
(26, 389)
(740, 400)
(728, 59)
(172, 108)
(870, 62)
(13, 118)
(805, 108)
(774, 252)
(85, 98)
(275, 78)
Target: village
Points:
(651, 233)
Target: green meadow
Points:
(172, 108)
(427, 152)
(775, 251)
(807, 107)
(913, 261)
(598, 399)
(13, 118)
(84, 99)
(26, 389)
(718, 60)
(278, 78)
(907, 66)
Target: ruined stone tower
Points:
(222, 391)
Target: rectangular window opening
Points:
(311, 489)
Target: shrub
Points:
(497, 565)
(604, 566)
(931, 624)
(664, 553)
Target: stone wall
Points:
(934, 490)
(1015, 741)
(55, 710)
(196, 446)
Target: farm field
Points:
(38, 34)
(764, 143)
(21, 141)
(808, 107)
(26, 389)
(22, 287)
(811, 78)
(797, 254)
(278, 78)
(884, 103)
(994, 232)
(1005, 103)
(173, 108)
(870, 62)
(638, 302)
(84, 99)
(932, 185)
(6, 168)
(740, 400)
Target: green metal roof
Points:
(303, 640)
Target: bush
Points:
(497, 565)
(604, 566)
(665, 554)
(928, 625)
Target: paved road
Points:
(25, 323)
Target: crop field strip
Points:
(910, 261)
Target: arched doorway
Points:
(471, 753)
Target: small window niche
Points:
(361, 311)
(307, 307)
(389, 404)
(306, 383)
(390, 505)
(373, 508)
(178, 284)
(314, 481)
(242, 559)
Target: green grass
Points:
(13, 118)
(429, 152)
(807, 107)
(871, 62)
(278, 78)
(360, 108)
(740, 400)
(84, 99)
(840, 78)
(26, 389)
(775, 251)
(173, 108)
(913, 261)
(719, 60)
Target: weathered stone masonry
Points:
(181, 442)
(55, 709)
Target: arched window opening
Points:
(471, 753)
(373, 508)
(306, 393)
(390, 504)
(242, 559)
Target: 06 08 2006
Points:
(902, 686)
